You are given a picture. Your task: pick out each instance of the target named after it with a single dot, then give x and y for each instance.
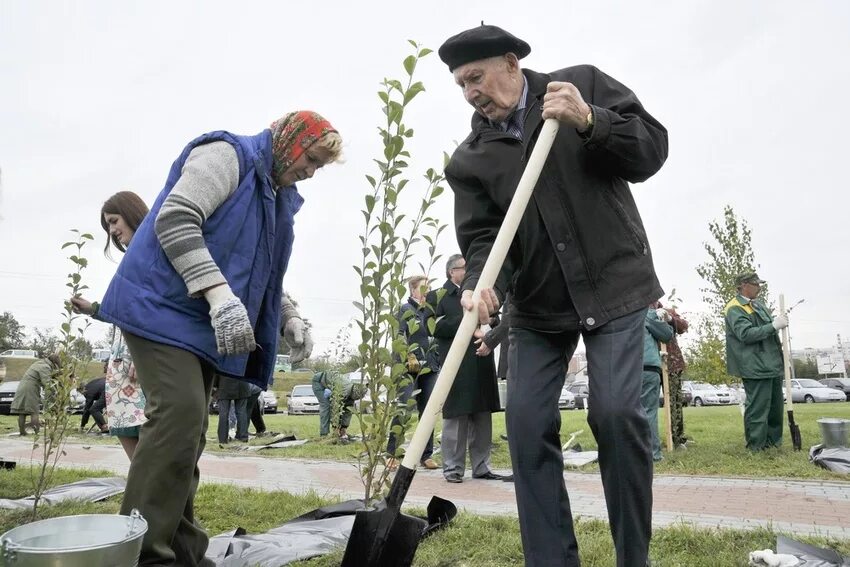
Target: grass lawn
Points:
(471, 540)
(718, 448)
(474, 541)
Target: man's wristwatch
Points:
(589, 121)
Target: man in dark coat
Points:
(467, 413)
(95, 394)
(230, 391)
(580, 265)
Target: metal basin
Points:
(87, 540)
(834, 432)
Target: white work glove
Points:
(294, 332)
(766, 558)
(663, 315)
(233, 332)
(780, 322)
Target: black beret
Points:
(479, 43)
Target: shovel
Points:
(384, 537)
(665, 383)
(796, 439)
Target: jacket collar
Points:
(451, 288)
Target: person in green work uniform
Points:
(656, 327)
(754, 353)
(323, 387)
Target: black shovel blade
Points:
(796, 438)
(371, 545)
(383, 536)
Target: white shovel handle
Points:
(786, 352)
(488, 277)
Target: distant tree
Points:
(44, 341)
(12, 333)
(730, 254)
(805, 368)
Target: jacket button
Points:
(590, 321)
(561, 246)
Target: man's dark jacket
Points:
(474, 389)
(581, 256)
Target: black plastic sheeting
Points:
(836, 459)
(809, 555)
(88, 490)
(315, 533)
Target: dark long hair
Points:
(131, 208)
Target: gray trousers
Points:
(536, 369)
(476, 430)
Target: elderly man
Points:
(580, 266)
(754, 353)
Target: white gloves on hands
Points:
(295, 333)
(780, 322)
(768, 558)
(233, 331)
(663, 315)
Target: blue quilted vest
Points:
(250, 239)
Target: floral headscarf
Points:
(293, 134)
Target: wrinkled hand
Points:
(483, 349)
(297, 336)
(780, 322)
(81, 305)
(564, 102)
(664, 315)
(229, 318)
(488, 305)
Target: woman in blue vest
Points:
(198, 293)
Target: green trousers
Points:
(763, 413)
(650, 389)
(164, 471)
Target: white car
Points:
(269, 401)
(567, 399)
(18, 353)
(811, 391)
(302, 400)
(704, 394)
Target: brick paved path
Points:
(788, 506)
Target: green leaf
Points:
(425, 51)
(68, 244)
(414, 90)
(410, 64)
(87, 236)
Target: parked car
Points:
(567, 400)
(579, 390)
(77, 403)
(282, 364)
(101, 354)
(366, 401)
(269, 401)
(302, 400)
(704, 394)
(811, 391)
(7, 394)
(18, 353)
(842, 384)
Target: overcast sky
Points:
(97, 97)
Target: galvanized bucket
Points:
(87, 540)
(834, 431)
